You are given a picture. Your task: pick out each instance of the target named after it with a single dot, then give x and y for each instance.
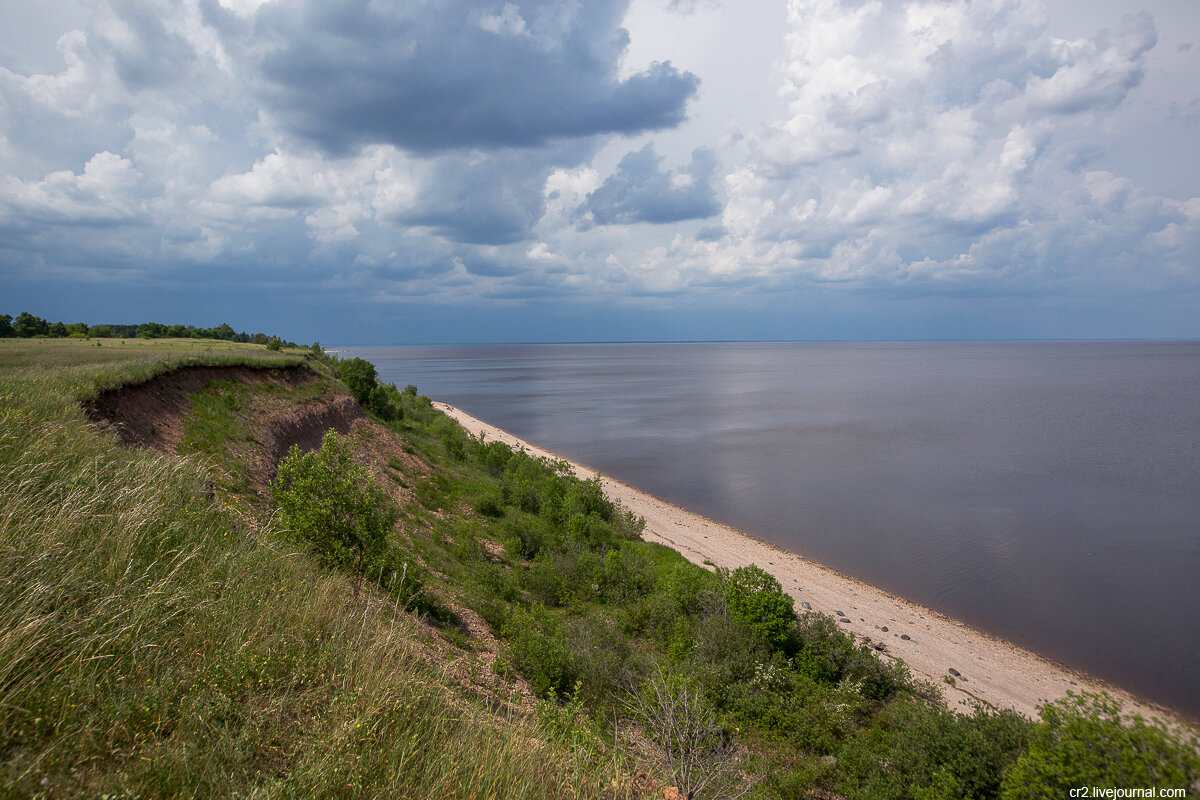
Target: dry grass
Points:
(152, 645)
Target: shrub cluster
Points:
(330, 504)
(383, 400)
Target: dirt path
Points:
(986, 669)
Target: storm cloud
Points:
(641, 191)
(451, 74)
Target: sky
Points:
(412, 171)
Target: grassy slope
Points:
(157, 642)
(152, 645)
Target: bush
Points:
(626, 576)
(539, 652)
(686, 730)
(725, 654)
(828, 655)
(545, 580)
(529, 536)
(756, 598)
(494, 456)
(914, 750)
(274, 344)
(1083, 740)
(601, 655)
(359, 376)
(587, 498)
(331, 504)
(489, 506)
(385, 402)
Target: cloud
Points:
(106, 192)
(1090, 74)
(921, 136)
(450, 74)
(641, 191)
(459, 151)
(490, 198)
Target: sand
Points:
(991, 671)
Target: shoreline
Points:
(991, 671)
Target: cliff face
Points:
(262, 414)
(275, 415)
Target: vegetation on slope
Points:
(154, 644)
(167, 630)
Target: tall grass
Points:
(153, 644)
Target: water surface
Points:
(1048, 493)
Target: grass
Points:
(153, 644)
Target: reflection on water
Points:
(1046, 492)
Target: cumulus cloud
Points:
(451, 74)
(1095, 73)
(920, 135)
(106, 192)
(641, 191)
(434, 122)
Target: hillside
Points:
(173, 627)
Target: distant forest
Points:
(28, 326)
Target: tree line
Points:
(29, 326)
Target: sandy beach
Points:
(989, 670)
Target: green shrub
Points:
(726, 653)
(332, 505)
(385, 402)
(1084, 740)
(600, 653)
(687, 585)
(588, 498)
(525, 536)
(625, 576)
(756, 598)
(539, 652)
(494, 456)
(544, 580)
(489, 505)
(916, 750)
(359, 376)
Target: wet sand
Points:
(991, 671)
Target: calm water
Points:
(1046, 492)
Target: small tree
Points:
(359, 376)
(274, 343)
(27, 326)
(756, 598)
(330, 504)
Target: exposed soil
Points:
(150, 414)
